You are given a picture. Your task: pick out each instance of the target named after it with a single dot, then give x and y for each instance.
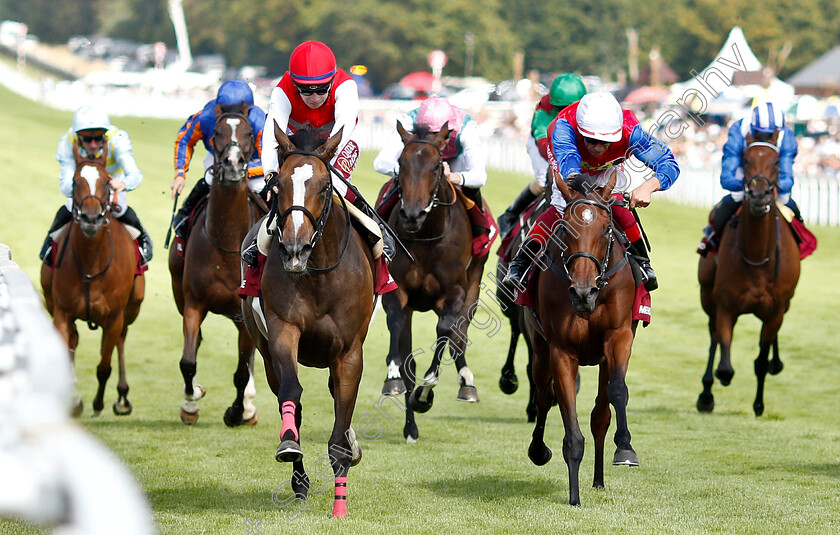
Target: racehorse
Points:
(307, 315)
(584, 305)
(442, 276)
(94, 277)
(755, 271)
(506, 295)
(206, 278)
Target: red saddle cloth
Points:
(139, 268)
(804, 238)
(641, 301)
(250, 285)
(504, 251)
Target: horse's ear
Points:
(442, 137)
(404, 135)
(774, 139)
(77, 154)
(218, 110)
(564, 188)
(284, 144)
(749, 139)
(606, 193)
(327, 150)
(104, 156)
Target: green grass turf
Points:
(727, 472)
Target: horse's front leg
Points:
(122, 407)
(243, 411)
(400, 337)
(724, 325)
(111, 332)
(565, 370)
(543, 400)
(706, 400)
(769, 334)
(67, 329)
(283, 347)
(346, 375)
(617, 352)
(599, 422)
(193, 318)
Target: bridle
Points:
(317, 223)
(435, 200)
(219, 155)
(603, 273)
(772, 185)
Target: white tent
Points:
(714, 89)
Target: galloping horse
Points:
(584, 305)
(754, 272)
(317, 301)
(444, 277)
(94, 277)
(206, 278)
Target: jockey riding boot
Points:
(724, 212)
(518, 267)
(474, 194)
(796, 213)
(199, 191)
(388, 246)
(252, 253)
(640, 254)
(62, 217)
(143, 240)
(508, 219)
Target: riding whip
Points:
(171, 221)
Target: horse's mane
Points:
(584, 183)
(422, 131)
(308, 138)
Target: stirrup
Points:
(251, 255)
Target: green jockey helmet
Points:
(566, 89)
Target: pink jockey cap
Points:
(437, 111)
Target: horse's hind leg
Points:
(508, 382)
(618, 356)
(122, 407)
(243, 411)
(399, 327)
(776, 364)
(706, 400)
(110, 337)
(599, 422)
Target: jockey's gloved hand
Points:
(271, 179)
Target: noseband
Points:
(219, 156)
(603, 274)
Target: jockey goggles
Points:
(309, 90)
(89, 139)
(593, 141)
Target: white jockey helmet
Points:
(90, 118)
(599, 116)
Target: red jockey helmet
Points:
(312, 63)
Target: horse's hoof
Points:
(411, 433)
(508, 383)
(339, 509)
(705, 402)
(123, 409)
(78, 408)
(625, 458)
(468, 393)
(539, 454)
(393, 387)
(288, 452)
(724, 376)
(189, 418)
(300, 484)
(357, 454)
(253, 420)
(775, 367)
(416, 402)
(232, 417)
(96, 414)
(758, 408)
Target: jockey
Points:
(766, 124)
(566, 89)
(315, 91)
(593, 136)
(201, 126)
(91, 131)
(463, 156)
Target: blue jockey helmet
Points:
(234, 92)
(767, 117)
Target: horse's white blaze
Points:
(299, 177)
(233, 123)
(91, 176)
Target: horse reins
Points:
(435, 201)
(603, 274)
(773, 186)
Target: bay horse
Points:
(206, 278)
(755, 271)
(584, 308)
(317, 301)
(94, 277)
(442, 276)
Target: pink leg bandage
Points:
(340, 503)
(287, 412)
